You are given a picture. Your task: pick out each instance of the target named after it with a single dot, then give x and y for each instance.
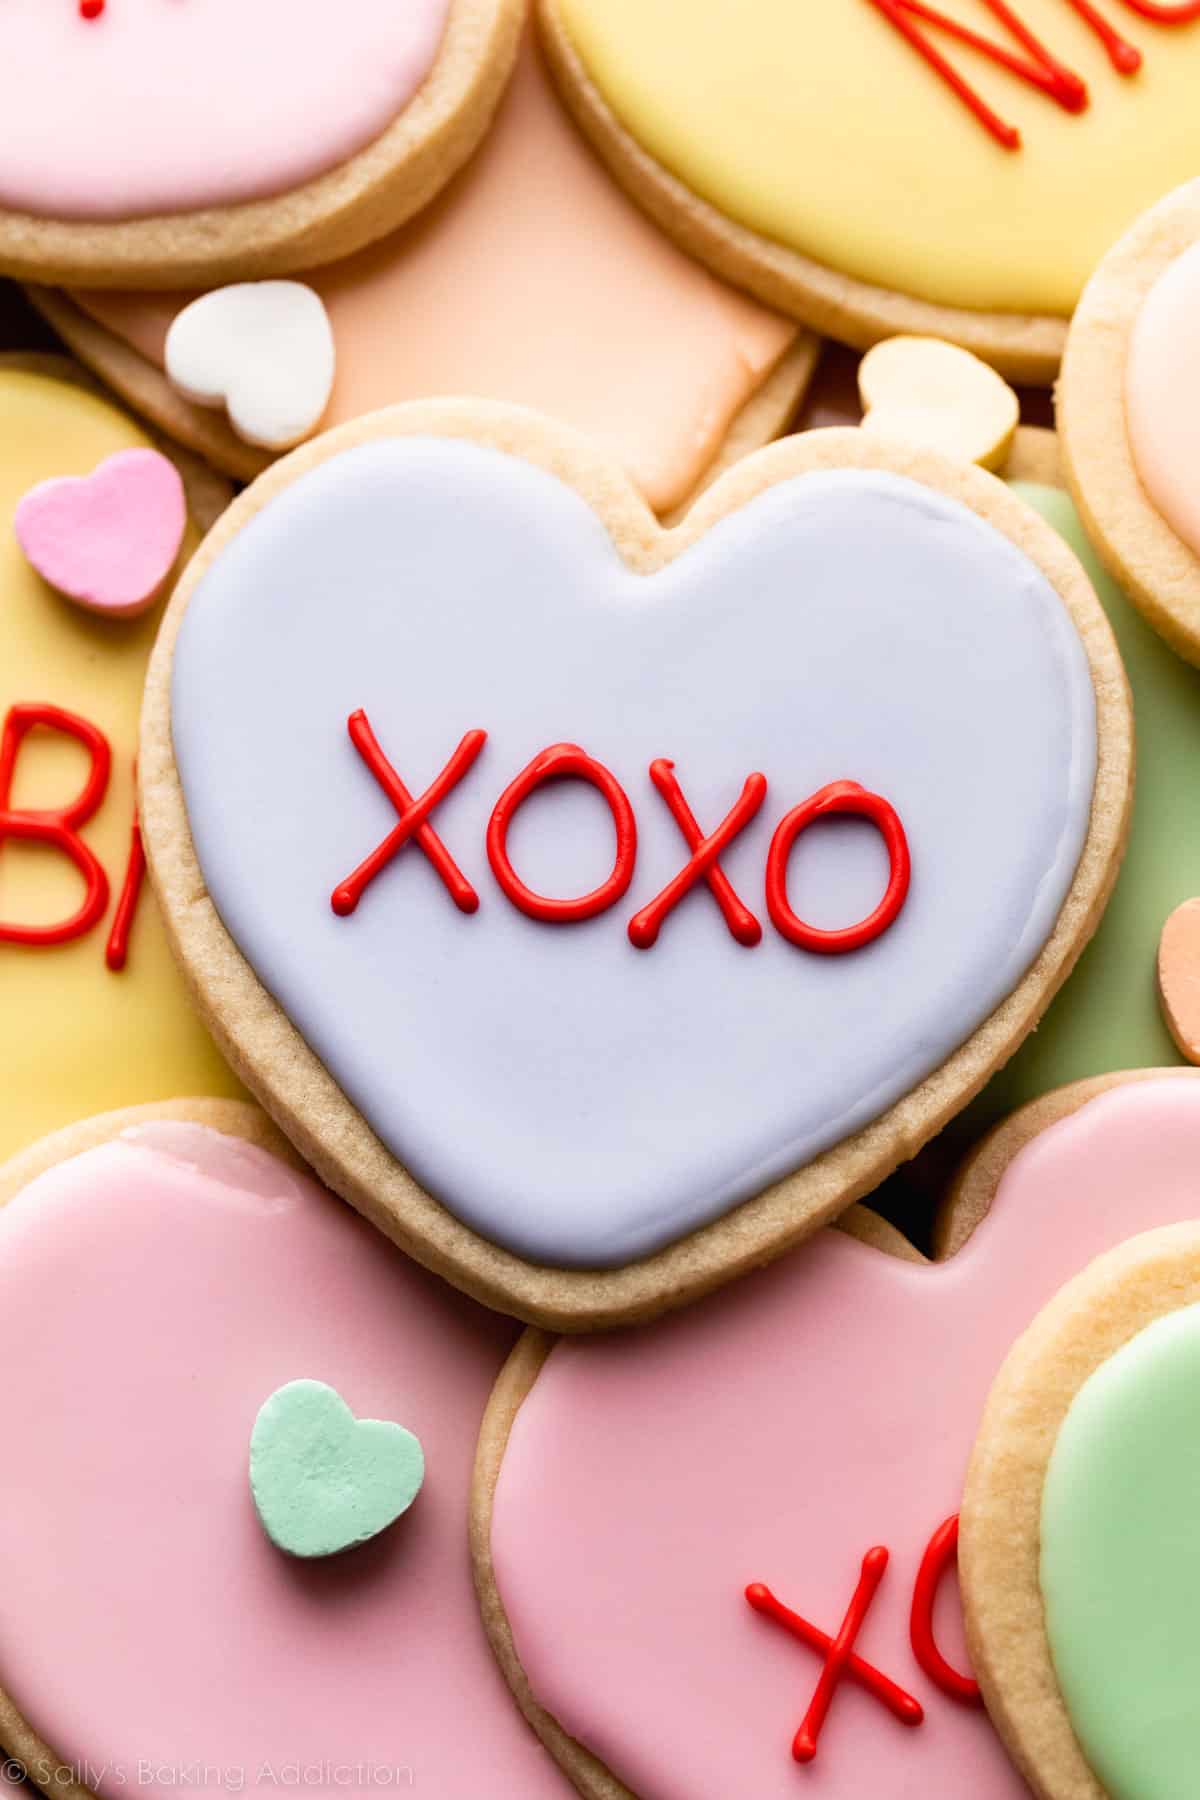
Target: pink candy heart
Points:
(110, 539)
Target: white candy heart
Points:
(261, 349)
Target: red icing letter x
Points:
(840, 1660)
(413, 821)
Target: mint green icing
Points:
(323, 1480)
(1107, 1015)
(1120, 1564)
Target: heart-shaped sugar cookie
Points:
(533, 850)
(261, 349)
(1080, 1538)
(844, 1388)
(108, 540)
(202, 1265)
(323, 1480)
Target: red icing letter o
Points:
(838, 797)
(555, 764)
(942, 1550)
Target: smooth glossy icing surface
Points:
(1107, 1015)
(1120, 1576)
(568, 1096)
(147, 1625)
(163, 106)
(75, 1037)
(774, 1435)
(533, 279)
(1162, 395)
(822, 128)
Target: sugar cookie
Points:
(1077, 1524)
(824, 159)
(154, 143)
(501, 1023)
(1130, 378)
(818, 1413)
(95, 1013)
(194, 1268)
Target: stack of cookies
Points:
(600, 1133)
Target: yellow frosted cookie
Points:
(861, 166)
(79, 1031)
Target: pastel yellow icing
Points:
(76, 1038)
(533, 279)
(815, 123)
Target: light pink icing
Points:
(152, 1294)
(166, 106)
(1162, 395)
(534, 280)
(775, 1434)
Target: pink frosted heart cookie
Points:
(108, 540)
(778, 1472)
(550, 898)
(252, 140)
(156, 1639)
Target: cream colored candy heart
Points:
(923, 392)
(261, 349)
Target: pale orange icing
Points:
(1162, 395)
(533, 279)
(1179, 977)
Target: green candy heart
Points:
(323, 1480)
